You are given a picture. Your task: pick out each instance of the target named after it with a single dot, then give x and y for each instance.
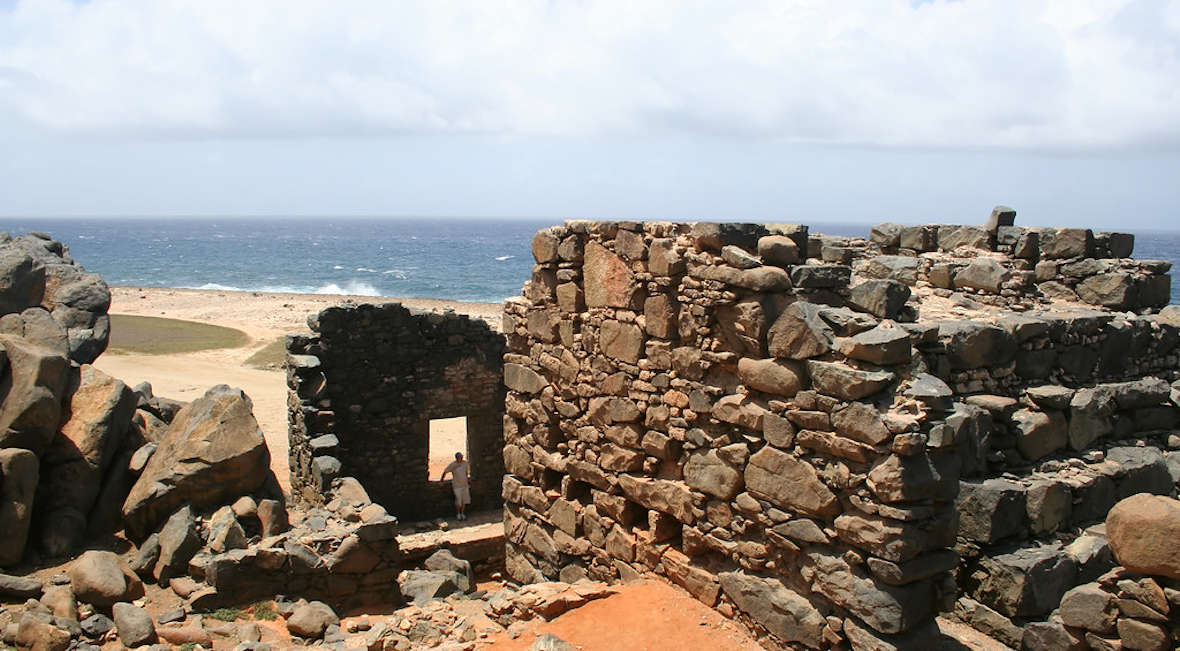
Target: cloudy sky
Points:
(857, 110)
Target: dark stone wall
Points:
(364, 390)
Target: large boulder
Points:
(212, 453)
(31, 394)
(1143, 530)
(101, 579)
(96, 420)
(52, 298)
(19, 472)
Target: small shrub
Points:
(264, 610)
(226, 614)
(188, 646)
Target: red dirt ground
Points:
(644, 616)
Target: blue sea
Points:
(482, 260)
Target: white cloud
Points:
(974, 73)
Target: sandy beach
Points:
(265, 318)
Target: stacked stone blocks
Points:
(699, 402)
(363, 390)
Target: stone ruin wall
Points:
(363, 390)
(766, 418)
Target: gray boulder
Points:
(19, 587)
(952, 236)
(1000, 216)
(179, 542)
(101, 579)
(134, 625)
(820, 276)
(886, 234)
(1066, 243)
(708, 472)
(22, 280)
(444, 561)
(1090, 416)
(312, 619)
(420, 587)
(885, 608)
(225, 532)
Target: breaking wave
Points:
(350, 288)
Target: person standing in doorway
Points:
(459, 484)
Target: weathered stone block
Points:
(845, 382)
(1040, 433)
(800, 332)
(1028, 582)
(790, 483)
(779, 377)
(783, 612)
(882, 298)
(886, 608)
(991, 510)
(607, 279)
(916, 477)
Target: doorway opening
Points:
(447, 436)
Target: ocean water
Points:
(458, 259)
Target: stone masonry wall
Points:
(700, 402)
(363, 390)
(778, 421)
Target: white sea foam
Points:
(350, 288)
(505, 257)
(337, 267)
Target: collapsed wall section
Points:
(362, 393)
(704, 403)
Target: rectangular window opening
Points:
(447, 436)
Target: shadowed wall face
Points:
(363, 394)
